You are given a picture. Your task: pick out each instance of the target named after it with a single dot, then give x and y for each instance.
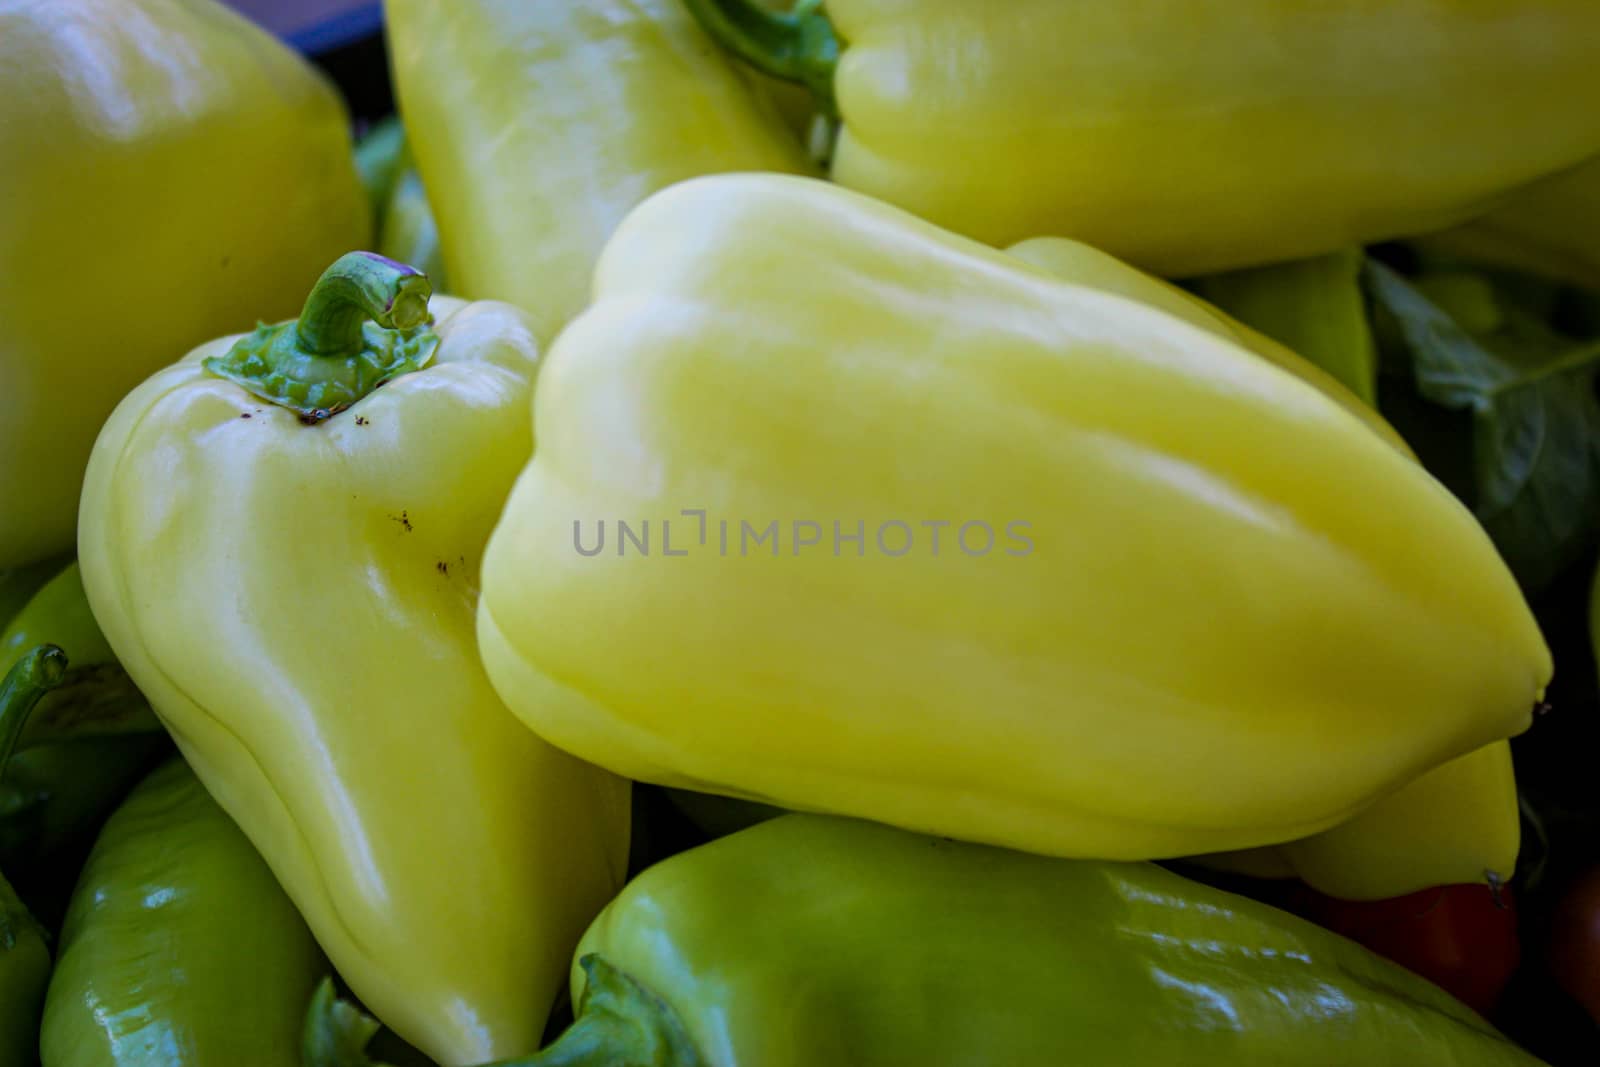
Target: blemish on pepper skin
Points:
(226, 260)
(244, 414)
(443, 568)
(403, 519)
(361, 420)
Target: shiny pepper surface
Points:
(285, 558)
(1190, 137)
(171, 173)
(1457, 823)
(810, 940)
(1168, 609)
(179, 948)
(538, 126)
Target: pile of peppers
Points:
(738, 533)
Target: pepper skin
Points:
(1081, 264)
(179, 948)
(323, 547)
(1459, 822)
(1211, 638)
(1190, 137)
(537, 127)
(171, 173)
(1550, 228)
(809, 940)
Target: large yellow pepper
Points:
(1190, 137)
(538, 126)
(1169, 611)
(171, 172)
(285, 558)
(1457, 823)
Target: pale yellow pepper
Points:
(538, 126)
(285, 558)
(1170, 614)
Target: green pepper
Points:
(78, 755)
(408, 231)
(1314, 306)
(379, 155)
(24, 955)
(811, 940)
(18, 585)
(24, 971)
(179, 947)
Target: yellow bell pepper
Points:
(1457, 823)
(1167, 611)
(285, 558)
(1189, 137)
(171, 173)
(538, 126)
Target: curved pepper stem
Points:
(30, 678)
(332, 356)
(620, 1024)
(800, 46)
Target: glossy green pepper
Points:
(24, 954)
(811, 940)
(179, 947)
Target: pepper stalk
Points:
(800, 46)
(332, 356)
(620, 1023)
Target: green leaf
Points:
(1535, 418)
(1313, 306)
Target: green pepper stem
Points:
(800, 46)
(620, 1024)
(335, 1032)
(332, 357)
(30, 678)
(361, 286)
